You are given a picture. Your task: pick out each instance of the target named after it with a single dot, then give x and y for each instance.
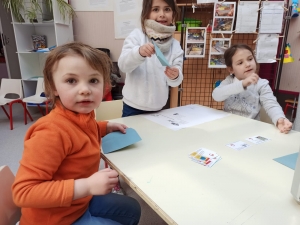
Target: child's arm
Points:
(45, 147)
(130, 57)
(100, 183)
(226, 89)
(174, 73)
(272, 107)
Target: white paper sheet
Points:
(271, 17)
(266, 48)
(185, 116)
(247, 15)
(127, 15)
(92, 5)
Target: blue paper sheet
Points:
(160, 55)
(288, 160)
(116, 140)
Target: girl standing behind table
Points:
(147, 82)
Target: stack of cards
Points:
(205, 157)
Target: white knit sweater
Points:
(146, 85)
(247, 102)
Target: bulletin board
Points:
(199, 80)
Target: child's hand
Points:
(111, 127)
(284, 125)
(102, 182)
(252, 79)
(172, 72)
(147, 50)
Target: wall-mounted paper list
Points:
(247, 15)
(271, 17)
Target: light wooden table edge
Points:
(158, 210)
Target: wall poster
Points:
(195, 42)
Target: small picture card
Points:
(238, 145)
(257, 139)
(205, 157)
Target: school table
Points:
(245, 187)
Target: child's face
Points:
(161, 12)
(79, 86)
(243, 64)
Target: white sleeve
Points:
(226, 89)
(177, 62)
(269, 102)
(130, 57)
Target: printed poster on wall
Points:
(127, 14)
(223, 17)
(247, 16)
(195, 42)
(266, 48)
(92, 5)
(216, 53)
(271, 16)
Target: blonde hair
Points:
(97, 59)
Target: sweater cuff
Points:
(103, 128)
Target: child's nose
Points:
(84, 89)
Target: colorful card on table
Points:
(160, 55)
(116, 140)
(238, 145)
(257, 139)
(205, 157)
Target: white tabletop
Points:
(245, 187)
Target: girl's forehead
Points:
(240, 53)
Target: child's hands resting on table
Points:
(100, 183)
(284, 125)
(111, 127)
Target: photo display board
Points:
(216, 52)
(223, 17)
(195, 42)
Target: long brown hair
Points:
(97, 59)
(147, 6)
(229, 53)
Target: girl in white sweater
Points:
(244, 92)
(147, 82)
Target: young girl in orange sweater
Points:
(58, 181)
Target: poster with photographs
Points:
(223, 17)
(195, 42)
(216, 54)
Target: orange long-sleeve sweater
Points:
(59, 148)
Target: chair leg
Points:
(5, 111)
(41, 110)
(26, 112)
(286, 108)
(10, 115)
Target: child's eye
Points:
(155, 9)
(71, 81)
(94, 81)
(168, 9)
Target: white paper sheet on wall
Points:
(92, 5)
(271, 16)
(127, 15)
(247, 15)
(206, 1)
(266, 48)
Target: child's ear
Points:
(230, 70)
(55, 93)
